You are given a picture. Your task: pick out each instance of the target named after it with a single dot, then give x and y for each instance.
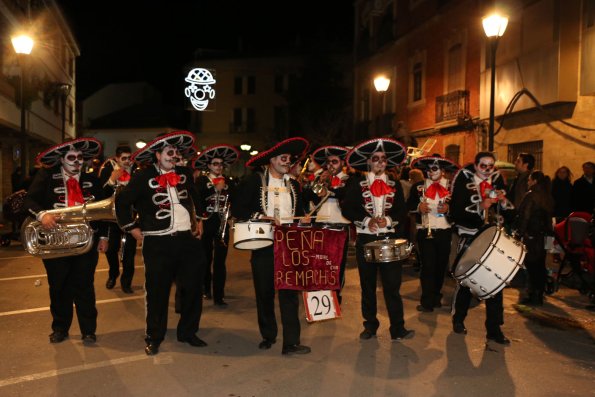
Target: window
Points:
(244, 120)
(237, 85)
(417, 79)
(251, 85)
(237, 117)
(417, 82)
(456, 80)
(250, 120)
(534, 147)
(280, 120)
(452, 153)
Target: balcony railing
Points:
(452, 106)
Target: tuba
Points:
(73, 234)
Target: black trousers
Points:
(264, 287)
(169, 258)
(434, 261)
(390, 275)
(215, 254)
(113, 259)
(71, 279)
(494, 306)
(535, 263)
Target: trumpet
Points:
(426, 217)
(224, 215)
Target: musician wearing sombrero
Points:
(333, 179)
(215, 190)
(477, 196)
(167, 203)
(115, 173)
(60, 184)
(374, 203)
(273, 195)
(428, 200)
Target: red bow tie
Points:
(485, 187)
(75, 194)
(217, 181)
(171, 179)
(336, 181)
(311, 177)
(380, 188)
(125, 177)
(436, 189)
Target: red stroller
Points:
(574, 238)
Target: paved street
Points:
(552, 351)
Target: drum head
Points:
(475, 250)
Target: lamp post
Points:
(23, 44)
(64, 91)
(381, 84)
(494, 26)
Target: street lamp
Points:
(494, 26)
(64, 90)
(245, 147)
(23, 45)
(140, 144)
(381, 84)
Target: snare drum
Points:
(387, 250)
(252, 235)
(489, 263)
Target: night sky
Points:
(129, 40)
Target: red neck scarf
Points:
(125, 177)
(336, 181)
(171, 179)
(380, 188)
(485, 187)
(218, 180)
(436, 189)
(75, 194)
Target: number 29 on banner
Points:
(321, 305)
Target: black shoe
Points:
(404, 334)
(499, 338)
(266, 344)
(422, 308)
(220, 303)
(127, 289)
(58, 336)
(296, 349)
(459, 328)
(110, 283)
(89, 339)
(367, 334)
(193, 341)
(152, 348)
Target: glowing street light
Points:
(245, 147)
(494, 26)
(381, 84)
(140, 144)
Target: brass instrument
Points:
(424, 199)
(73, 234)
(224, 215)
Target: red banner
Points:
(308, 258)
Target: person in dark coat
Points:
(583, 190)
(562, 193)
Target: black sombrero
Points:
(423, 163)
(358, 157)
(182, 140)
(90, 147)
(228, 154)
(294, 146)
(322, 153)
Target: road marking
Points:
(41, 309)
(45, 275)
(71, 370)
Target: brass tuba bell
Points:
(73, 234)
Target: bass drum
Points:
(489, 262)
(252, 235)
(387, 250)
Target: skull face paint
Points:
(168, 158)
(124, 161)
(485, 167)
(434, 173)
(72, 162)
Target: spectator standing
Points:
(583, 191)
(523, 165)
(562, 193)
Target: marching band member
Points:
(375, 204)
(332, 160)
(115, 172)
(215, 190)
(273, 195)
(477, 190)
(166, 199)
(428, 199)
(61, 184)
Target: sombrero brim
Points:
(294, 146)
(358, 157)
(90, 147)
(228, 154)
(321, 154)
(182, 140)
(423, 163)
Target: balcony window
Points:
(417, 75)
(237, 85)
(251, 85)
